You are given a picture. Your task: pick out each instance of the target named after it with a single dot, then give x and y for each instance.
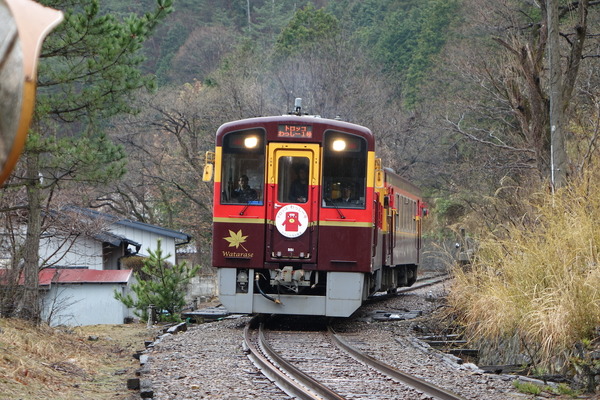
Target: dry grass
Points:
(539, 281)
(62, 364)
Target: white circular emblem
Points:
(291, 221)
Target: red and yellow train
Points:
(306, 221)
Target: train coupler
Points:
(290, 278)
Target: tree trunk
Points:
(30, 306)
(558, 154)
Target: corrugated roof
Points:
(81, 275)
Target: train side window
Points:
(405, 214)
(344, 170)
(243, 167)
(402, 212)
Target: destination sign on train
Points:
(297, 131)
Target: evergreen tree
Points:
(409, 40)
(89, 71)
(164, 287)
(269, 19)
(307, 27)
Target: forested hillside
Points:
(457, 91)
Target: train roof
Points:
(321, 125)
(402, 183)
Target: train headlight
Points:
(338, 145)
(251, 142)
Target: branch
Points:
(459, 129)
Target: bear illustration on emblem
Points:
(291, 221)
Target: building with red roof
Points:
(82, 264)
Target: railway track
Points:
(323, 365)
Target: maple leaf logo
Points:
(236, 239)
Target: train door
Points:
(293, 199)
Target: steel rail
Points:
(419, 284)
(287, 377)
(270, 371)
(425, 281)
(412, 381)
(313, 385)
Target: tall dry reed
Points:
(538, 280)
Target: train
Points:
(306, 220)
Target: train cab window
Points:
(344, 170)
(243, 167)
(292, 179)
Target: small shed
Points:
(79, 296)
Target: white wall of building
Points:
(84, 304)
(147, 240)
(83, 251)
(78, 251)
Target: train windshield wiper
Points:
(245, 207)
(328, 200)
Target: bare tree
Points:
(164, 184)
(510, 82)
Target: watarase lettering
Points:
(237, 255)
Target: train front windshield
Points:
(243, 167)
(344, 170)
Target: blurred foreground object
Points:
(23, 26)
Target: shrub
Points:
(164, 287)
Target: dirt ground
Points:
(91, 362)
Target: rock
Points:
(133, 383)
(146, 391)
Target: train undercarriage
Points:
(292, 290)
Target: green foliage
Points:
(90, 65)
(408, 41)
(307, 27)
(86, 158)
(171, 42)
(536, 390)
(527, 387)
(268, 21)
(89, 71)
(164, 287)
(564, 389)
(365, 17)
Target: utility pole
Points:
(558, 154)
